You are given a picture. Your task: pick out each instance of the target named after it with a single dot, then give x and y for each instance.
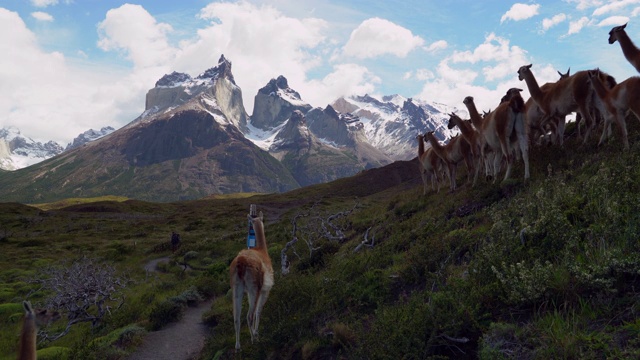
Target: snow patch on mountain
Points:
(262, 138)
(89, 135)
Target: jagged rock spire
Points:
(223, 69)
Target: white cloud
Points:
(131, 29)
(548, 23)
(457, 76)
(614, 21)
(41, 16)
(43, 3)
(420, 74)
(576, 26)
(613, 6)
(375, 37)
(424, 74)
(345, 80)
(438, 45)
(502, 59)
(585, 4)
(520, 12)
(635, 12)
(47, 98)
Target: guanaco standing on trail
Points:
(251, 272)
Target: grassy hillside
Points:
(537, 270)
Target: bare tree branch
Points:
(365, 242)
(284, 261)
(312, 227)
(85, 289)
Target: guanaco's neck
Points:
(476, 119)
(261, 240)
(466, 131)
(534, 88)
(27, 350)
(629, 49)
(435, 144)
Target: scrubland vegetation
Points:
(545, 269)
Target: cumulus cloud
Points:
(344, 80)
(44, 96)
(548, 23)
(457, 76)
(131, 29)
(576, 26)
(502, 59)
(43, 3)
(614, 21)
(419, 74)
(585, 4)
(614, 6)
(520, 12)
(438, 45)
(375, 37)
(41, 16)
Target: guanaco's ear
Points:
(27, 306)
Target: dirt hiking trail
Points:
(182, 340)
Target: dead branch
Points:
(284, 261)
(462, 340)
(365, 242)
(84, 290)
(312, 226)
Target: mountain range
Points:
(195, 139)
(18, 151)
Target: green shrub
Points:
(189, 297)
(54, 353)
(523, 283)
(165, 313)
(221, 309)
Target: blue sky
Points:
(71, 65)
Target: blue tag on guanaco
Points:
(251, 237)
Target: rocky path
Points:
(182, 340)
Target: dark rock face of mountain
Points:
(173, 79)
(24, 147)
(179, 136)
(312, 160)
(222, 70)
(182, 155)
(294, 135)
(334, 127)
(275, 103)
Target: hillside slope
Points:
(538, 270)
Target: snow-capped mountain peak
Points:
(18, 151)
(391, 123)
(89, 135)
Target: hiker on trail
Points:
(175, 241)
